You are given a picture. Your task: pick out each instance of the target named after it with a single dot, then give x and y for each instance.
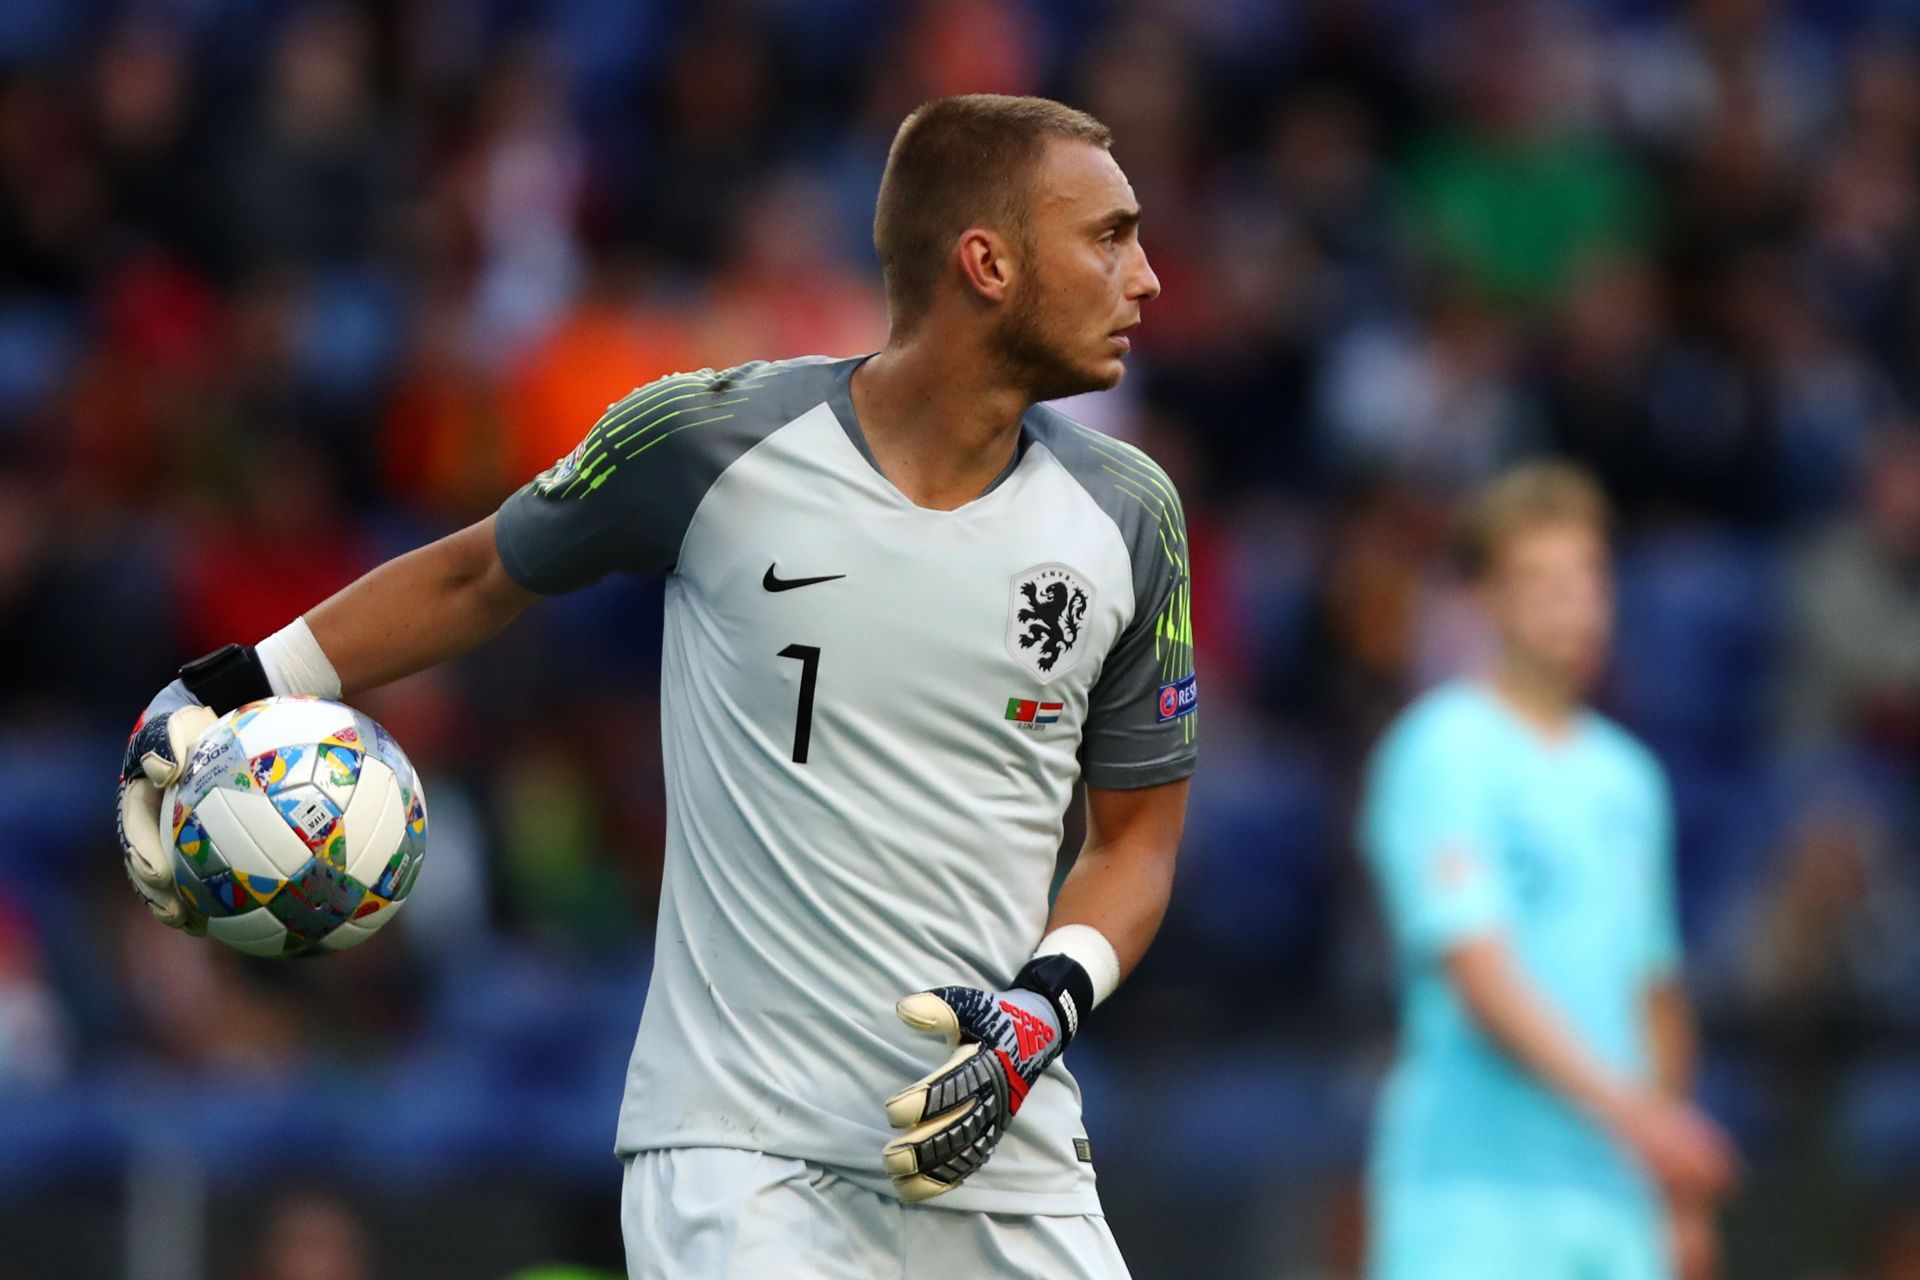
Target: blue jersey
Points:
(1475, 824)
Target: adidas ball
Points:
(298, 826)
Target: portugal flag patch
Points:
(1027, 711)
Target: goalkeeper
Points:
(908, 607)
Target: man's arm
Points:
(1673, 1041)
(1678, 1144)
(581, 520)
(418, 610)
(1124, 876)
(1106, 914)
(1672, 1037)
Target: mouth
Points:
(1120, 339)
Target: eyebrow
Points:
(1120, 220)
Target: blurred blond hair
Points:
(1523, 498)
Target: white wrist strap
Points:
(1089, 948)
(295, 663)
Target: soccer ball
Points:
(298, 827)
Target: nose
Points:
(1142, 285)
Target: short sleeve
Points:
(1142, 714)
(622, 500)
(1662, 933)
(1431, 834)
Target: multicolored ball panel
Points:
(254, 932)
(298, 826)
(379, 744)
(373, 913)
(316, 902)
(190, 840)
(336, 771)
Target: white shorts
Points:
(713, 1213)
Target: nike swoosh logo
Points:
(772, 582)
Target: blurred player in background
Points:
(907, 608)
(1537, 1125)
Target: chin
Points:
(1584, 673)
(1077, 380)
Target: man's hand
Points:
(956, 1114)
(1679, 1144)
(156, 756)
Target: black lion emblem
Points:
(1053, 622)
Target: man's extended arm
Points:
(409, 614)
(418, 610)
(1678, 1144)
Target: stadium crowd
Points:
(286, 288)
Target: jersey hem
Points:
(511, 561)
(1081, 1202)
(1132, 777)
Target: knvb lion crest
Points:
(1046, 618)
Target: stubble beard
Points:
(1031, 360)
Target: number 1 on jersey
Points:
(809, 656)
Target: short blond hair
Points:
(1524, 498)
(957, 163)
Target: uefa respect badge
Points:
(1179, 698)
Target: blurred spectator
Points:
(1679, 74)
(604, 346)
(194, 1005)
(312, 1236)
(781, 253)
(154, 159)
(311, 180)
(35, 1044)
(528, 183)
(1437, 399)
(1515, 192)
(1855, 612)
(444, 445)
(1828, 942)
(286, 511)
(712, 141)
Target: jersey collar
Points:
(841, 402)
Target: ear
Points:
(987, 264)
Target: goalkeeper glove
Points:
(955, 1115)
(157, 755)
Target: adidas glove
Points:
(157, 754)
(156, 757)
(955, 1115)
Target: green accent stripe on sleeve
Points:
(1139, 478)
(639, 414)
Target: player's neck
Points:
(1546, 702)
(937, 424)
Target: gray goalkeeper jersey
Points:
(872, 717)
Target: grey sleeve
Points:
(1142, 719)
(622, 500)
